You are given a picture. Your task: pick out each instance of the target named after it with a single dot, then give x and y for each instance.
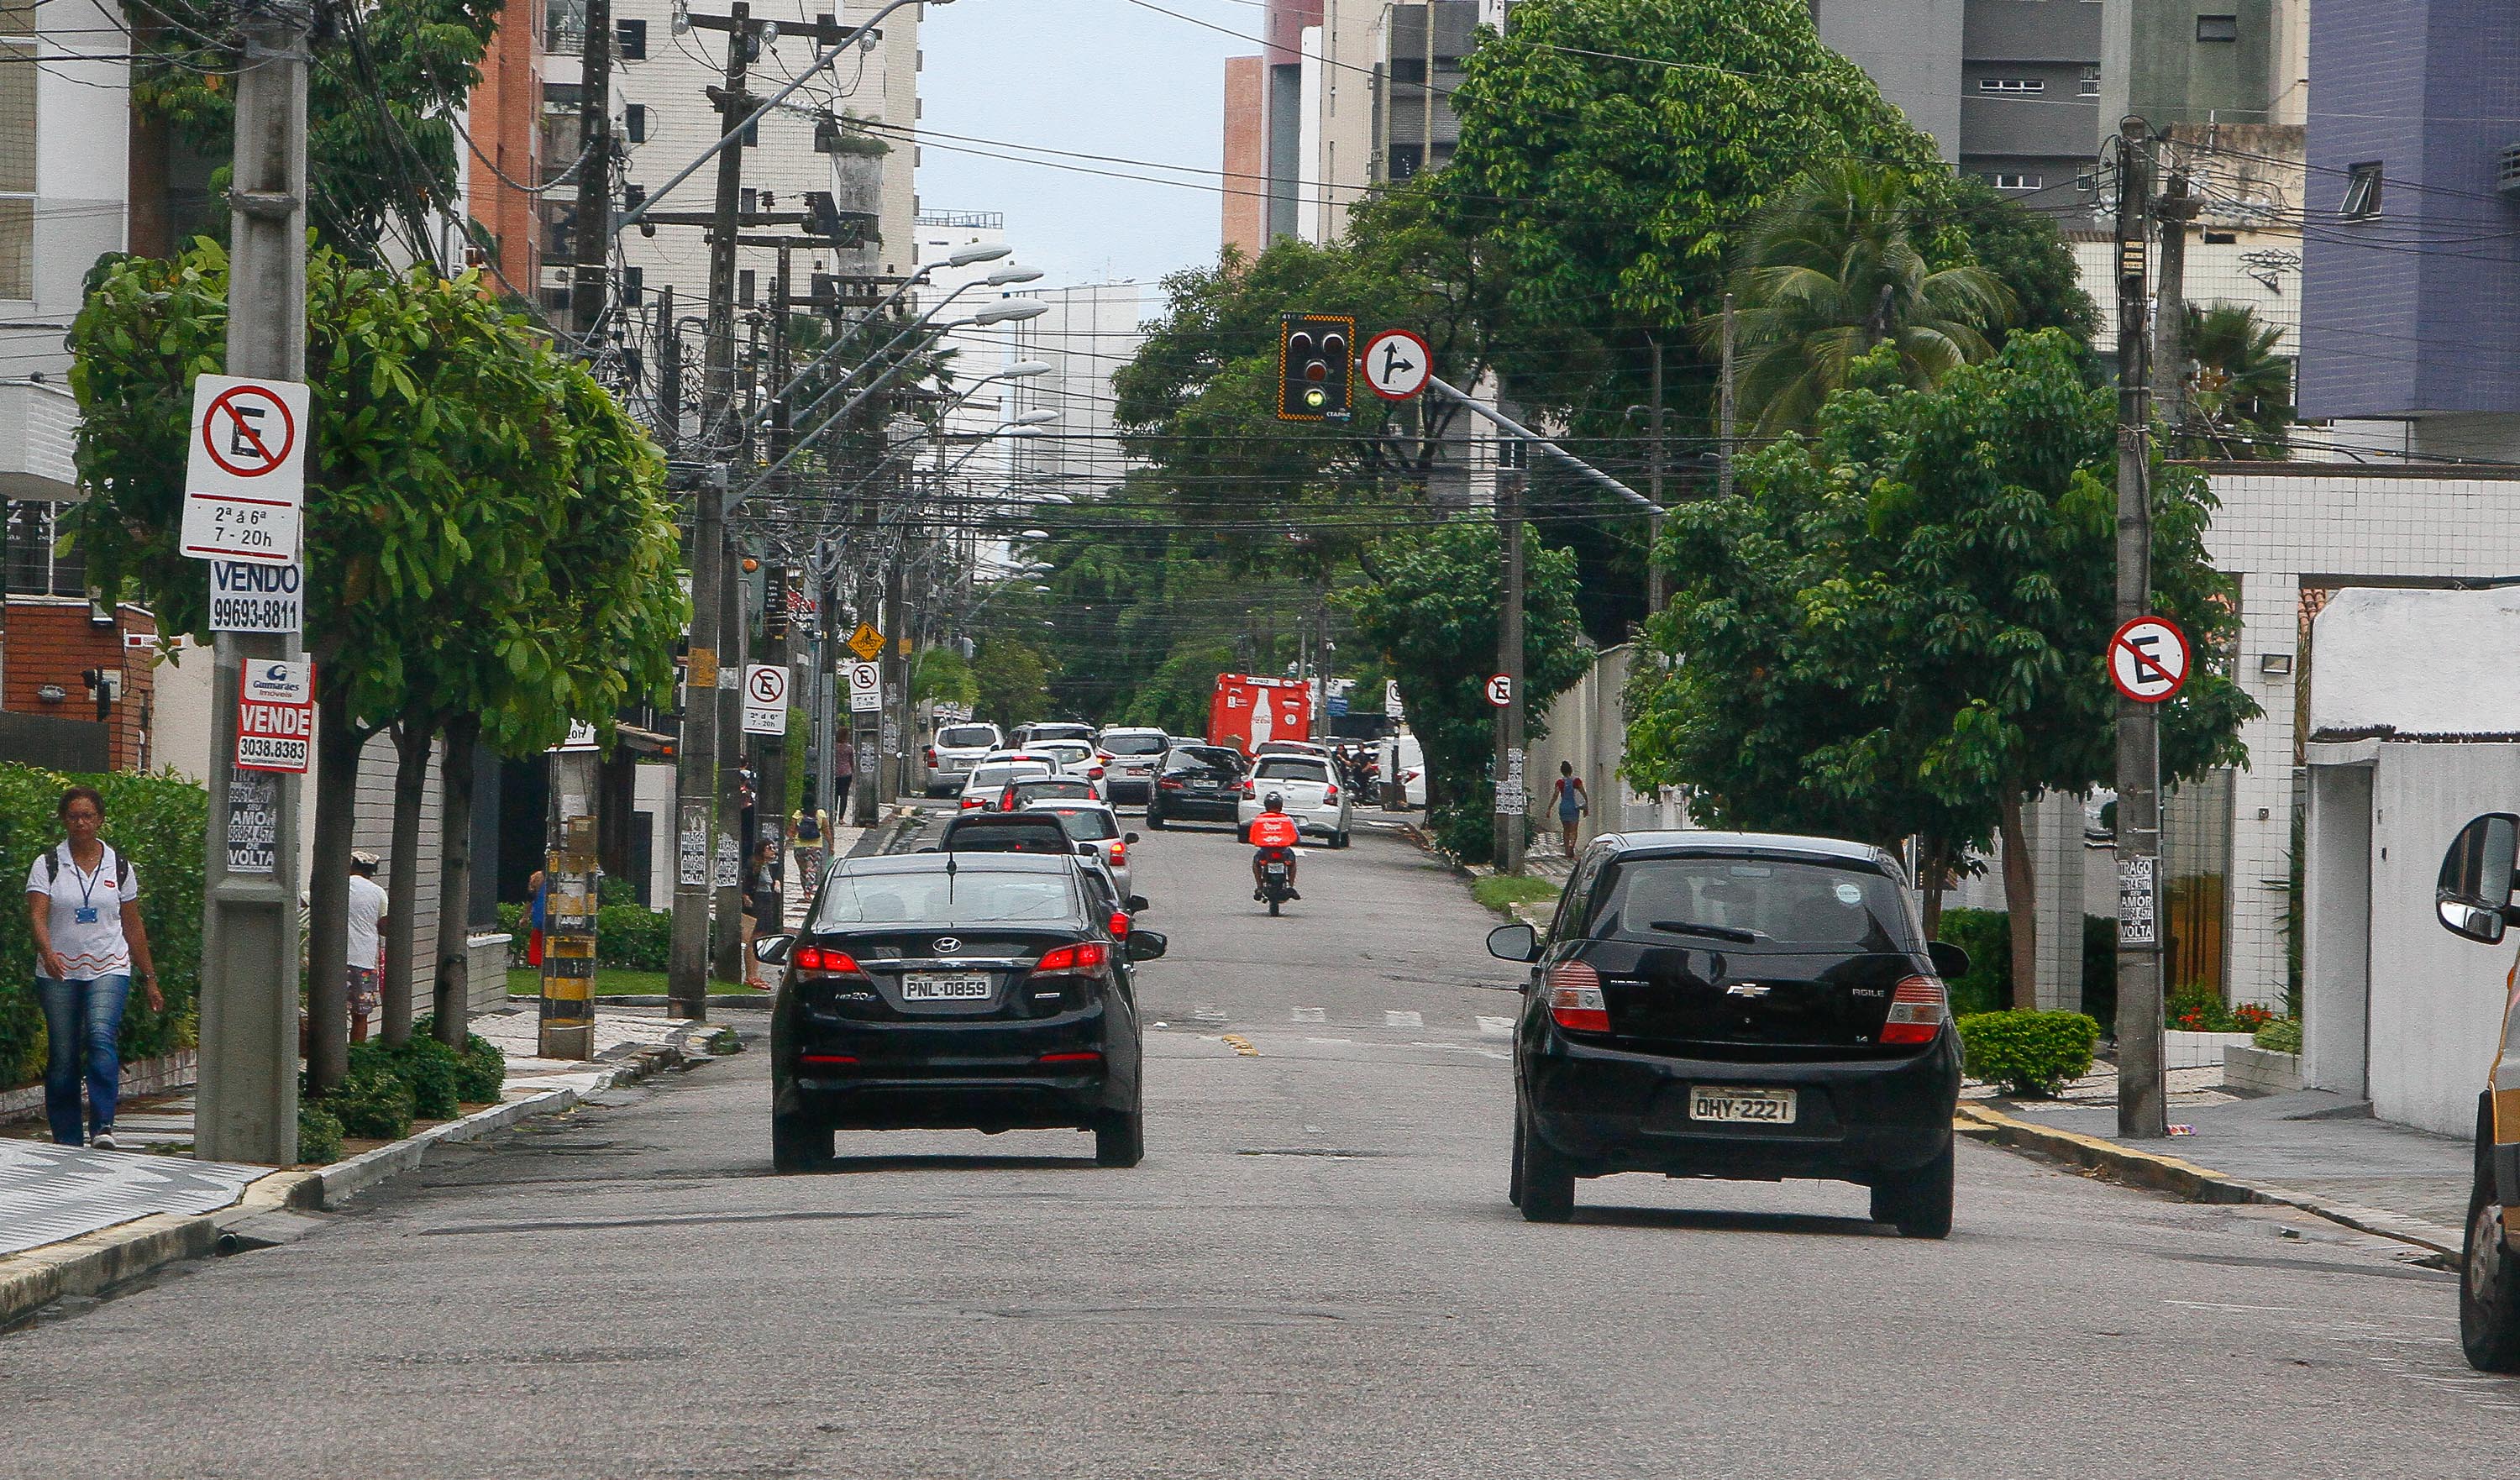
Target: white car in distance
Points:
(960, 745)
(1309, 789)
(989, 777)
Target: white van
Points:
(1403, 761)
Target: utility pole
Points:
(1723, 414)
(246, 1105)
(2169, 369)
(734, 631)
(695, 777)
(2143, 1111)
(1655, 595)
(1512, 793)
(591, 240)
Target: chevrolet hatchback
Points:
(1736, 1006)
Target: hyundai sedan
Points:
(957, 991)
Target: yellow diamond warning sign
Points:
(865, 642)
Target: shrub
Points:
(155, 821)
(1987, 936)
(2281, 1035)
(480, 1070)
(633, 936)
(319, 1134)
(372, 1103)
(2028, 1052)
(427, 1068)
(512, 921)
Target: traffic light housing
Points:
(1316, 366)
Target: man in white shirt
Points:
(367, 954)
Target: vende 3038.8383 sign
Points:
(276, 715)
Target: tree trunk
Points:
(2020, 903)
(328, 893)
(453, 983)
(1934, 872)
(403, 885)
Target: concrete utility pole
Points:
(591, 240)
(1657, 460)
(2142, 1110)
(246, 1105)
(1513, 791)
(696, 776)
(735, 635)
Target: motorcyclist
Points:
(1272, 835)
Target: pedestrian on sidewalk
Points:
(83, 902)
(764, 908)
(809, 827)
(367, 957)
(1573, 804)
(535, 888)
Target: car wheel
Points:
(1547, 1182)
(1155, 819)
(798, 1145)
(2489, 1286)
(1120, 1138)
(1918, 1203)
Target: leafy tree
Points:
(1014, 681)
(1428, 605)
(487, 544)
(2239, 396)
(941, 675)
(2025, 252)
(1836, 266)
(382, 97)
(1902, 627)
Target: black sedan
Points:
(1197, 784)
(1739, 1006)
(957, 991)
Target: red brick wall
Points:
(505, 120)
(54, 643)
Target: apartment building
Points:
(1090, 331)
(2204, 61)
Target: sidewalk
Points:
(2310, 1149)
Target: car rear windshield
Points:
(1200, 758)
(1031, 790)
(1297, 768)
(1755, 901)
(967, 896)
(965, 736)
(1134, 745)
(998, 776)
(1064, 750)
(1086, 825)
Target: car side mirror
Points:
(1514, 942)
(1951, 962)
(1137, 904)
(1128, 838)
(1144, 945)
(772, 950)
(2474, 892)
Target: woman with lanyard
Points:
(83, 901)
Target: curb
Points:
(93, 1264)
(738, 999)
(2191, 1183)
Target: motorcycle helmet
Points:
(1277, 802)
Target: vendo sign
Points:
(276, 716)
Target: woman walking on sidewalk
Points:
(83, 901)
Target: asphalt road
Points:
(1314, 1273)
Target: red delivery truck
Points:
(1249, 710)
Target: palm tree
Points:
(2239, 396)
(1831, 271)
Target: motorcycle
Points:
(1274, 887)
(1273, 834)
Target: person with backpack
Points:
(1573, 804)
(83, 903)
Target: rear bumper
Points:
(944, 1075)
(1611, 1111)
(1213, 809)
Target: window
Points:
(563, 29)
(2090, 82)
(34, 569)
(2218, 28)
(17, 149)
(2011, 85)
(2362, 192)
(1756, 901)
(634, 122)
(633, 36)
(2013, 181)
(634, 280)
(743, 288)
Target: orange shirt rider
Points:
(1273, 836)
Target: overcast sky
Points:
(1091, 77)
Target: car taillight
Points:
(1105, 757)
(824, 961)
(931, 755)
(971, 802)
(1086, 1055)
(1006, 800)
(1169, 783)
(1119, 854)
(1575, 997)
(1121, 923)
(1329, 794)
(1917, 1011)
(1084, 955)
(1246, 789)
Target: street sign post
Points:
(865, 642)
(765, 700)
(1397, 364)
(2148, 659)
(245, 479)
(1501, 689)
(866, 687)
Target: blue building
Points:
(2411, 301)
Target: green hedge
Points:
(2028, 1052)
(319, 1134)
(155, 821)
(629, 935)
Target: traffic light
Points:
(1316, 366)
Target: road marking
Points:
(1496, 1027)
(1312, 1015)
(1404, 1019)
(1240, 1044)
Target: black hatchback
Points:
(1197, 784)
(1741, 1005)
(957, 991)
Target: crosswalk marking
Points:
(1404, 1019)
(1312, 1015)
(1496, 1027)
